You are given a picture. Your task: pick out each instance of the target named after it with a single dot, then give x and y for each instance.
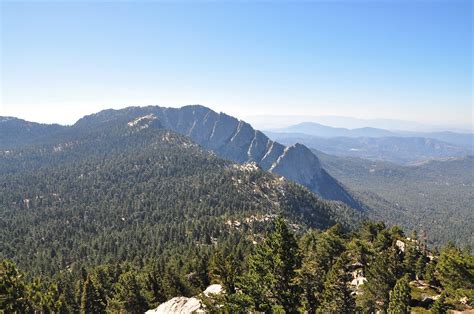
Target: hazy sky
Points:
(407, 60)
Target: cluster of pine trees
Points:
(286, 271)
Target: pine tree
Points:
(337, 296)
(455, 268)
(128, 294)
(91, 301)
(225, 270)
(13, 292)
(440, 307)
(311, 280)
(410, 258)
(420, 266)
(400, 297)
(271, 279)
(63, 306)
(381, 278)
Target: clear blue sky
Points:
(408, 60)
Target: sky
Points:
(408, 60)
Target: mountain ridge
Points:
(463, 139)
(401, 150)
(227, 137)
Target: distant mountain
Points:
(400, 150)
(224, 135)
(16, 133)
(274, 122)
(465, 140)
(320, 130)
(435, 196)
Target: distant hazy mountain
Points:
(17, 133)
(465, 140)
(320, 130)
(401, 150)
(436, 196)
(224, 135)
(273, 122)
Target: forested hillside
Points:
(373, 270)
(131, 193)
(436, 196)
(226, 136)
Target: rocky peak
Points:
(299, 164)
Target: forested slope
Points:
(435, 196)
(128, 193)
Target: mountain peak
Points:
(226, 136)
(298, 164)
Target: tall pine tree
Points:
(128, 294)
(400, 297)
(337, 296)
(271, 279)
(440, 307)
(92, 300)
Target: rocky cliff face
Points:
(235, 140)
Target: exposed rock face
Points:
(236, 140)
(298, 164)
(178, 305)
(186, 305)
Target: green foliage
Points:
(13, 291)
(436, 195)
(400, 297)
(337, 297)
(410, 259)
(120, 196)
(271, 276)
(92, 300)
(283, 272)
(121, 220)
(420, 266)
(440, 306)
(311, 280)
(128, 294)
(455, 270)
(382, 275)
(224, 269)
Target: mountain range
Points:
(388, 192)
(226, 136)
(465, 140)
(377, 144)
(119, 186)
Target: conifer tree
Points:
(420, 266)
(271, 279)
(91, 301)
(225, 270)
(410, 258)
(455, 268)
(400, 297)
(128, 294)
(311, 280)
(13, 293)
(439, 306)
(337, 296)
(381, 277)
